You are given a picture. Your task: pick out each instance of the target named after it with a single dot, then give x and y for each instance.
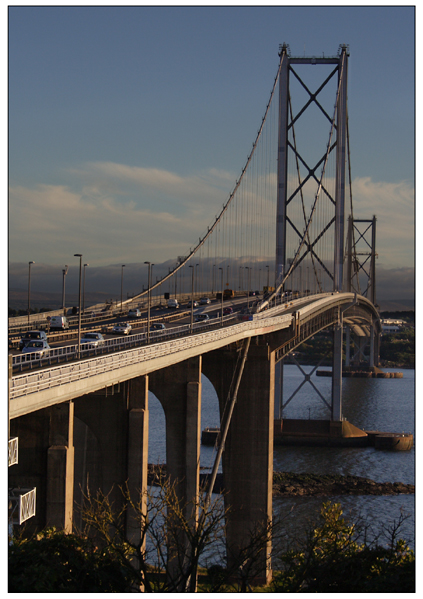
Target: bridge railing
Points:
(34, 382)
(70, 352)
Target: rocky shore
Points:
(290, 484)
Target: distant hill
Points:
(18, 299)
(396, 305)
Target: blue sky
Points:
(128, 126)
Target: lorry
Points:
(228, 293)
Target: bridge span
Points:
(300, 319)
(84, 425)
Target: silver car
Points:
(123, 328)
(37, 348)
(91, 340)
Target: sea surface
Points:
(386, 405)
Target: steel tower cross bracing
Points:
(307, 246)
(286, 124)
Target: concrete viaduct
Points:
(85, 424)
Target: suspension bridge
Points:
(286, 254)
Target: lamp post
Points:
(121, 289)
(267, 266)
(221, 298)
(29, 289)
(192, 297)
(79, 304)
(83, 291)
(148, 300)
(248, 291)
(64, 273)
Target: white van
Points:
(172, 303)
(59, 323)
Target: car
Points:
(195, 304)
(37, 348)
(32, 336)
(134, 313)
(92, 340)
(157, 326)
(227, 311)
(201, 317)
(204, 300)
(173, 303)
(122, 328)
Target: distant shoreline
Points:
(291, 484)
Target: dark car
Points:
(157, 326)
(32, 336)
(201, 317)
(227, 311)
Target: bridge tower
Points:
(287, 148)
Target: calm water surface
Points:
(386, 405)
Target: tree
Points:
(332, 559)
(171, 538)
(53, 561)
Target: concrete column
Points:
(347, 346)
(106, 416)
(372, 346)
(278, 390)
(178, 389)
(137, 460)
(337, 373)
(248, 455)
(60, 467)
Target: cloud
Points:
(393, 205)
(115, 213)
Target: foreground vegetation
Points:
(332, 556)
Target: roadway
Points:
(177, 323)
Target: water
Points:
(371, 404)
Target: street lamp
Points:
(121, 288)
(148, 300)
(267, 266)
(248, 291)
(79, 304)
(64, 272)
(83, 292)
(29, 288)
(221, 299)
(192, 297)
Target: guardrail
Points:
(28, 383)
(70, 352)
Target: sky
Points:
(129, 126)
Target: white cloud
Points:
(107, 218)
(113, 212)
(393, 206)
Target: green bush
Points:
(332, 560)
(57, 562)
